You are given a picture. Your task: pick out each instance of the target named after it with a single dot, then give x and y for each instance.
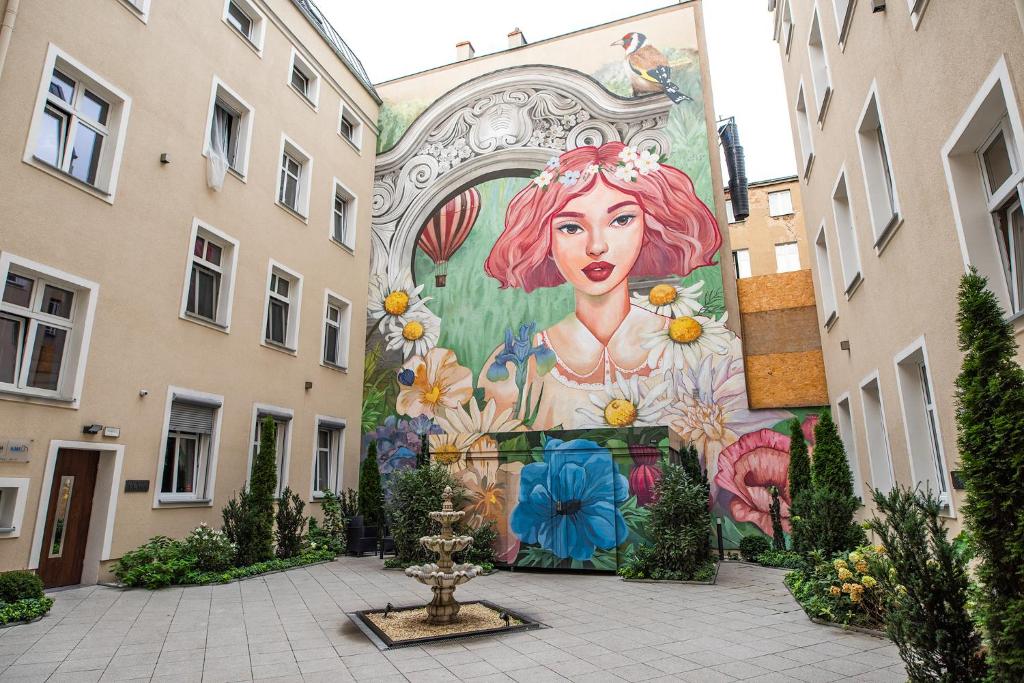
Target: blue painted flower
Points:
(406, 377)
(568, 503)
(569, 178)
(424, 425)
(517, 350)
(400, 459)
(553, 162)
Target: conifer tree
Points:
(371, 499)
(830, 469)
(990, 421)
(775, 510)
(799, 461)
(262, 490)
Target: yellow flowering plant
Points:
(845, 590)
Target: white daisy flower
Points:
(393, 299)
(626, 172)
(647, 162)
(671, 300)
(628, 155)
(417, 335)
(625, 403)
(685, 341)
(544, 179)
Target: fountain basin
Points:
(433, 575)
(442, 545)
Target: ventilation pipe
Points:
(464, 51)
(516, 38)
(7, 30)
(729, 134)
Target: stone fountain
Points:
(443, 576)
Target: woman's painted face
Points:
(596, 239)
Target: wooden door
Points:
(67, 518)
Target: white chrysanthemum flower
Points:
(647, 162)
(544, 179)
(475, 421)
(685, 341)
(393, 299)
(625, 403)
(628, 155)
(415, 336)
(626, 172)
(671, 300)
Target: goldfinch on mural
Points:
(648, 68)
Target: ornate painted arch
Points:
(505, 123)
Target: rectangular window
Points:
(349, 127)
(786, 26)
(844, 14)
(303, 79)
(44, 324)
(79, 127)
(284, 290)
(803, 125)
(228, 129)
(879, 454)
(327, 457)
(187, 449)
(247, 21)
(826, 289)
(917, 8)
(787, 257)
(844, 420)
(821, 76)
(924, 443)
(282, 420)
(210, 276)
(741, 261)
(878, 177)
(780, 203)
(729, 215)
(343, 216)
(337, 319)
(294, 179)
(847, 234)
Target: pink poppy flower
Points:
(808, 425)
(645, 474)
(748, 469)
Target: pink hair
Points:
(681, 233)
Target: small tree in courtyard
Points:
(252, 522)
(371, 499)
(800, 489)
(990, 421)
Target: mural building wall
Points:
(547, 304)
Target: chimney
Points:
(516, 38)
(464, 51)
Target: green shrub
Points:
(775, 511)
(197, 578)
(990, 423)
(159, 562)
(211, 549)
(291, 524)
(26, 609)
(783, 559)
(751, 547)
(371, 499)
(244, 525)
(20, 585)
(482, 550)
(331, 530)
(929, 587)
(642, 563)
(799, 462)
(848, 590)
(258, 543)
(414, 493)
(348, 502)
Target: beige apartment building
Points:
(907, 129)
(772, 239)
(184, 247)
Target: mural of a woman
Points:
(593, 218)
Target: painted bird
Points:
(648, 68)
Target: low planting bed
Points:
(21, 598)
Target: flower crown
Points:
(632, 163)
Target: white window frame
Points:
(76, 349)
(803, 128)
(792, 209)
(336, 460)
(13, 495)
(291, 344)
(921, 447)
(821, 73)
(826, 283)
(846, 227)
(119, 107)
(844, 422)
(305, 180)
(351, 212)
(304, 67)
(259, 24)
(795, 248)
(736, 263)
(221, 92)
(994, 102)
(205, 496)
(877, 170)
(784, 32)
(347, 114)
(916, 8)
(843, 10)
(730, 217)
(228, 270)
(280, 414)
(138, 8)
(332, 299)
(876, 433)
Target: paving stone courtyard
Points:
(292, 626)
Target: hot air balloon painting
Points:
(446, 230)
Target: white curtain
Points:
(217, 159)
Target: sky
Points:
(395, 38)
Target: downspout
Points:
(7, 30)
